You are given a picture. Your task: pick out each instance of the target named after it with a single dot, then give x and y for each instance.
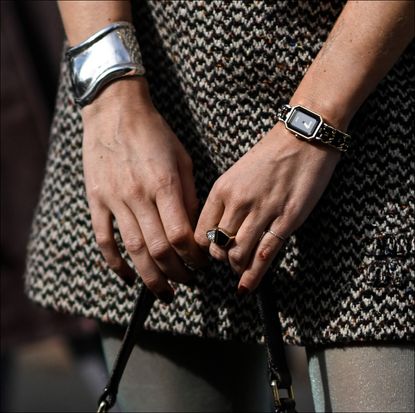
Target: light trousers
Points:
(189, 374)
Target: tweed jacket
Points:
(218, 71)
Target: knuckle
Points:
(134, 245)
(178, 236)
(115, 263)
(164, 182)
(287, 223)
(94, 191)
(239, 203)
(133, 191)
(236, 256)
(217, 253)
(220, 187)
(159, 250)
(200, 238)
(291, 213)
(265, 252)
(104, 241)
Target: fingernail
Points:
(166, 296)
(242, 291)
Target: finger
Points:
(267, 249)
(104, 234)
(230, 222)
(177, 226)
(158, 246)
(136, 248)
(209, 218)
(246, 240)
(191, 202)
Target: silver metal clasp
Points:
(103, 407)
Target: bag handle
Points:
(142, 307)
(279, 374)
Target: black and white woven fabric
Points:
(218, 71)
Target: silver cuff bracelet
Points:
(111, 53)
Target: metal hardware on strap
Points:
(102, 408)
(283, 404)
(279, 373)
(280, 378)
(143, 303)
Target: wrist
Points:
(129, 92)
(306, 124)
(333, 111)
(109, 54)
(288, 140)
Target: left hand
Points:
(274, 186)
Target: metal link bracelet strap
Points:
(279, 375)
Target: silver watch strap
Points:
(111, 53)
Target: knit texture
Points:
(218, 72)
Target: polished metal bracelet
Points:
(109, 54)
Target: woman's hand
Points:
(273, 186)
(137, 171)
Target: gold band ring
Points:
(280, 237)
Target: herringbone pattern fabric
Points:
(218, 72)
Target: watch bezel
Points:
(307, 112)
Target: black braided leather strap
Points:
(279, 374)
(283, 112)
(278, 371)
(142, 306)
(334, 137)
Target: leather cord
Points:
(142, 306)
(279, 374)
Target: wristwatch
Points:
(310, 126)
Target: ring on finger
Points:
(219, 236)
(269, 231)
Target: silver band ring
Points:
(219, 237)
(280, 237)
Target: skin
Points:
(137, 171)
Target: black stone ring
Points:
(219, 237)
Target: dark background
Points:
(49, 362)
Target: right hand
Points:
(136, 170)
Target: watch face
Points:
(303, 122)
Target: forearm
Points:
(81, 19)
(365, 42)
